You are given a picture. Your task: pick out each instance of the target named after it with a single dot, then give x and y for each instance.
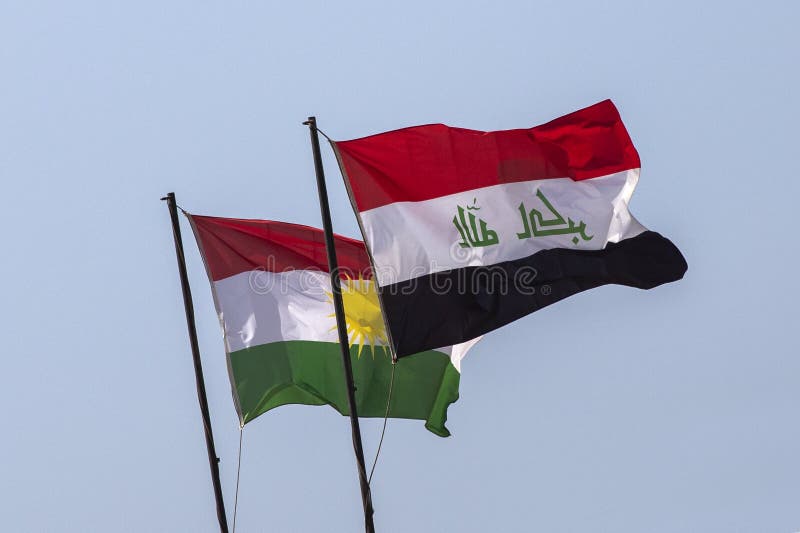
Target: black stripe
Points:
(457, 305)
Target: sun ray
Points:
(362, 314)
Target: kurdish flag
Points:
(470, 230)
(272, 291)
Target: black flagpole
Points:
(338, 306)
(213, 460)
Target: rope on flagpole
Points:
(385, 419)
(238, 471)
(324, 135)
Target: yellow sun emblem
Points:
(362, 312)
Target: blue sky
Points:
(617, 410)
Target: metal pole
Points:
(213, 460)
(338, 306)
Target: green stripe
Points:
(310, 373)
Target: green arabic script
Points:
(472, 235)
(534, 224)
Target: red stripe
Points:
(424, 162)
(231, 246)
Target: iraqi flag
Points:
(470, 230)
(272, 291)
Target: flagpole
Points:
(338, 306)
(213, 460)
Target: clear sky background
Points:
(617, 410)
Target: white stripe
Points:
(457, 352)
(260, 307)
(412, 239)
